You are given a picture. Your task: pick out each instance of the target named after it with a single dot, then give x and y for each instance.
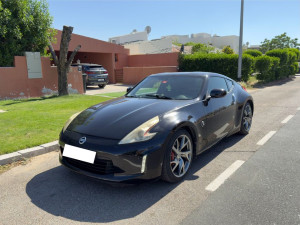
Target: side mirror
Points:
(129, 89)
(218, 93)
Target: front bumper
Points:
(114, 162)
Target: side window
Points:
(229, 84)
(216, 83)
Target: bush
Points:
(267, 67)
(202, 48)
(227, 50)
(219, 63)
(190, 44)
(287, 59)
(254, 53)
(282, 54)
(296, 67)
(296, 51)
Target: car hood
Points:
(114, 119)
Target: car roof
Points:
(196, 74)
(85, 64)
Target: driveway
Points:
(94, 90)
(44, 192)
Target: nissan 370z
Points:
(157, 128)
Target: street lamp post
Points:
(241, 42)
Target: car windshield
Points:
(168, 87)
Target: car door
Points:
(219, 118)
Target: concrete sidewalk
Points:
(94, 90)
(265, 190)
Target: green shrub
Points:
(296, 67)
(267, 67)
(296, 51)
(202, 48)
(227, 50)
(254, 53)
(219, 63)
(263, 65)
(287, 58)
(282, 54)
(190, 44)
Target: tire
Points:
(246, 119)
(176, 166)
(101, 85)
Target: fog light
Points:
(143, 163)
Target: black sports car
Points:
(157, 128)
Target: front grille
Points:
(100, 166)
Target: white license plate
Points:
(100, 79)
(79, 153)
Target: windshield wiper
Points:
(158, 96)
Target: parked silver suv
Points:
(96, 74)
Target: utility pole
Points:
(241, 42)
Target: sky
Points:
(102, 19)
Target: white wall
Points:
(150, 47)
(137, 36)
(216, 41)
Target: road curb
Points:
(28, 152)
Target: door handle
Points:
(233, 99)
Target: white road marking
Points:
(266, 138)
(216, 183)
(287, 119)
(298, 108)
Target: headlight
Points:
(70, 120)
(141, 133)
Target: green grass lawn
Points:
(113, 94)
(31, 122)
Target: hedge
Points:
(219, 63)
(287, 65)
(254, 53)
(277, 63)
(267, 67)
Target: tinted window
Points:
(174, 87)
(216, 83)
(229, 84)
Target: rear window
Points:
(93, 68)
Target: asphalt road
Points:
(265, 190)
(43, 192)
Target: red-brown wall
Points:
(89, 44)
(14, 82)
(133, 75)
(164, 59)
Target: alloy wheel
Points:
(181, 155)
(247, 117)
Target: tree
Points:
(279, 42)
(63, 63)
(25, 25)
(228, 50)
(202, 48)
